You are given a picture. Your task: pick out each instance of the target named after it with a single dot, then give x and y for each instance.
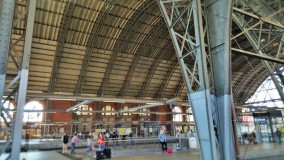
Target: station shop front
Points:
(263, 124)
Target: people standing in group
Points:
(74, 141)
(163, 140)
(278, 134)
(101, 142)
(65, 143)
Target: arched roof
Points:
(113, 49)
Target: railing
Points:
(144, 145)
(134, 145)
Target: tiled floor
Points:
(259, 152)
(39, 155)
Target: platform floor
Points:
(267, 151)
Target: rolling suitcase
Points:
(169, 150)
(107, 153)
(100, 155)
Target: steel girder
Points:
(62, 35)
(160, 92)
(179, 87)
(17, 132)
(219, 31)
(150, 73)
(15, 56)
(91, 45)
(196, 77)
(264, 16)
(147, 80)
(156, 31)
(169, 73)
(122, 42)
(6, 19)
(7, 12)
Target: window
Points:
(177, 117)
(33, 116)
(86, 108)
(106, 109)
(189, 117)
(266, 95)
(126, 114)
(144, 110)
(10, 106)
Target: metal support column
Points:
(6, 19)
(219, 27)
(17, 134)
(192, 60)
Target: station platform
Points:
(266, 151)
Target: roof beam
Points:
(62, 35)
(258, 56)
(101, 99)
(170, 101)
(178, 89)
(122, 42)
(98, 111)
(266, 20)
(141, 107)
(266, 10)
(156, 31)
(160, 92)
(79, 105)
(144, 87)
(97, 27)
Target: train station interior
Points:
(206, 74)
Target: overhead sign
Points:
(261, 121)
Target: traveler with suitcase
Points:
(102, 151)
(163, 139)
(101, 142)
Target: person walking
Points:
(74, 140)
(65, 143)
(278, 134)
(163, 140)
